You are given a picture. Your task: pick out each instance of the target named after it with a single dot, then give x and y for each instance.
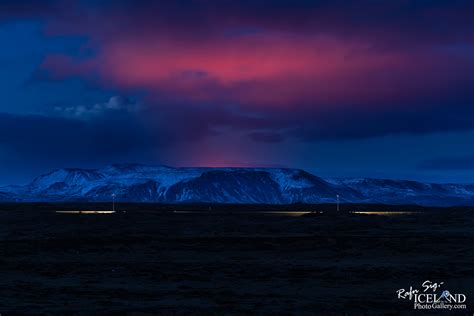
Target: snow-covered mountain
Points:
(162, 184)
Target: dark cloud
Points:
(59, 139)
(120, 126)
(115, 130)
(273, 72)
(448, 163)
(266, 137)
(387, 22)
(32, 144)
(384, 22)
(30, 9)
(351, 123)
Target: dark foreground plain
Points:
(226, 260)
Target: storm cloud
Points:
(201, 75)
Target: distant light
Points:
(383, 213)
(86, 212)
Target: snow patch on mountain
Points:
(163, 184)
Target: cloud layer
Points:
(318, 58)
(273, 73)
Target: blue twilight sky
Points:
(339, 88)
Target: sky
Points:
(339, 88)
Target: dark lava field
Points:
(229, 260)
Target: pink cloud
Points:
(268, 69)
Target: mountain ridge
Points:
(165, 184)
